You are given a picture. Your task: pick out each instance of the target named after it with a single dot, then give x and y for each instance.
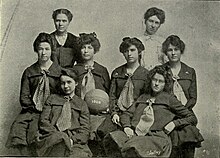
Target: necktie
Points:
(146, 120)
(88, 82)
(64, 121)
(126, 97)
(178, 91)
(42, 92)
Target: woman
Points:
(38, 82)
(147, 123)
(91, 76)
(127, 84)
(184, 88)
(64, 122)
(64, 42)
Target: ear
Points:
(76, 83)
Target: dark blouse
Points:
(100, 74)
(30, 80)
(118, 80)
(65, 55)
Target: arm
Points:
(45, 123)
(106, 80)
(127, 115)
(25, 93)
(186, 117)
(82, 134)
(192, 92)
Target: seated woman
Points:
(91, 76)
(64, 43)
(64, 122)
(127, 84)
(38, 82)
(184, 88)
(148, 122)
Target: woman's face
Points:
(173, 53)
(68, 84)
(44, 52)
(131, 54)
(152, 24)
(87, 52)
(61, 23)
(157, 83)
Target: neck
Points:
(133, 65)
(89, 62)
(61, 33)
(175, 64)
(45, 64)
(72, 94)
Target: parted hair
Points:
(175, 41)
(71, 73)
(62, 11)
(155, 11)
(162, 70)
(127, 42)
(42, 37)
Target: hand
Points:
(116, 119)
(169, 127)
(71, 142)
(129, 132)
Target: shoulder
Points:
(78, 103)
(99, 67)
(71, 36)
(32, 69)
(142, 70)
(186, 71)
(119, 71)
(187, 67)
(55, 99)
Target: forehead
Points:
(65, 78)
(44, 44)
(158, 77)
(88, 45)
(172, 46)
(154, 18)
(61, 16)
(132, 47)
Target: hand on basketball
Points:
(129, 132)
(116, 119)
(169, 127)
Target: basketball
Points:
(97, 101)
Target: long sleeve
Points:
(192, 92)
(25, 92)
(112, 96)
(186, 117)
(45, 122)
(82, 134)
(106, 80)
(127, 115)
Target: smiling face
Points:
(61, 23)
(44, 52)
(131, 54)
(157, 83)
(87, 52)
(68, 84)
(152, 25)
(173, 53)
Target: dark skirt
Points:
(154, 144)
(24, 130)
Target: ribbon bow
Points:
(42, 91)
(64, 121)
(146, 120)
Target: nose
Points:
(43, 52)
(157, 83)
(65, 85)
(173, 52)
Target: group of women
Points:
(150, 112)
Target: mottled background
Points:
(196, 22)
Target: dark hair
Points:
(42, 37)
(127, 42)
(175, 41)
(155, 11)
(162, 70)
(90, 38)
(71, 73)
(62, 11)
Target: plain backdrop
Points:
(195, 22)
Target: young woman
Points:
(38, 82)
(147, 123)
(91, 76)
(64, 42)
(184, 88)
(64, 122)
(127, 84)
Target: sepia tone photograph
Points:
(118, 78)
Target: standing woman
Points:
(64, 42)
(38, 81)
(184, 88)
(127, 84)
